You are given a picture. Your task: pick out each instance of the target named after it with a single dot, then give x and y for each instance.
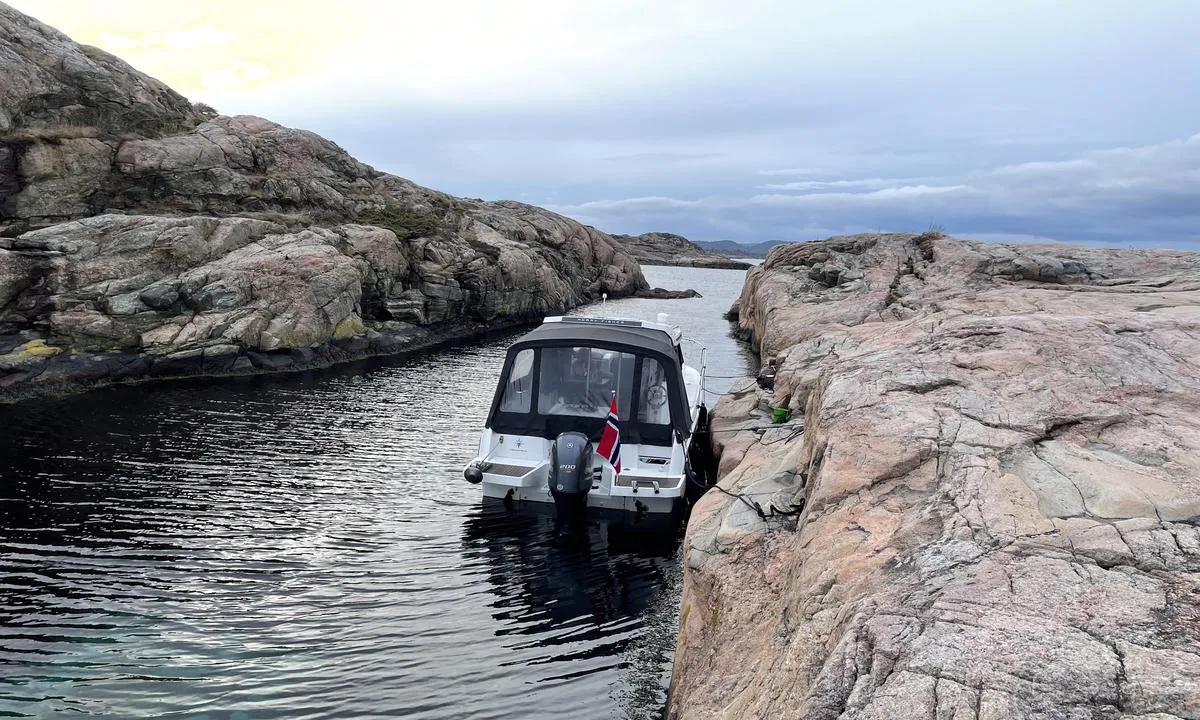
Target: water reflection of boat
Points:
(572, 386)
(611, 571)
(600, 604)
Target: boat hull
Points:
(643, 501)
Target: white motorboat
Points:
(548, 418)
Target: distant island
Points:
(660, 248)
(732, 249)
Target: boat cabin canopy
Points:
(562, 377)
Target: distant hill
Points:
(729, 248)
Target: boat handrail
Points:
(703, 364)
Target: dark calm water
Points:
(305, 547)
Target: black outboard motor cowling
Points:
(570, 480)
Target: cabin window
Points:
(653, 407)
(580, 381)
(518, 392)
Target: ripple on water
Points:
(303, 547)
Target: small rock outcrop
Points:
(663, 294)
(143, 236)
(659, 248)
(995, 451)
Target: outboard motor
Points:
(570, 480)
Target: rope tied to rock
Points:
(772, 512)
(797, 428)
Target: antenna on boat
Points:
(604, 305)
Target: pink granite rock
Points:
(1001, 475)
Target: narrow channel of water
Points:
(304, 546)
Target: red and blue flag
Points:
(610, 440)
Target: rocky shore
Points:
(143, 236)
(997, 453)
(659, 248)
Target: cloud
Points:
(115, 42)
(235, 76)
(1105, 180)
(198, 37)
(748, 121)
(790, 171)
(822, 185)
(881, 197)
(661, 157)
(640, 204)
(1127, 195)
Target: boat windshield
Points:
(580, 381)
(551, 389)
(652, 394)
(517, 391)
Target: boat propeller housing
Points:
(570, 478)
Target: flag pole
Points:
(614, 404)
(614, 466)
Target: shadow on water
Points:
(594, 574)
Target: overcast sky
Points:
(1075, 120)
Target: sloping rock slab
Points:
(1000, 468)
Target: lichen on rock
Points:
(26, 354)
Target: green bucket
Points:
(779, 415)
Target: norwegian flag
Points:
(610, 440)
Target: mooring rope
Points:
(798, 428)
(771, 512)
